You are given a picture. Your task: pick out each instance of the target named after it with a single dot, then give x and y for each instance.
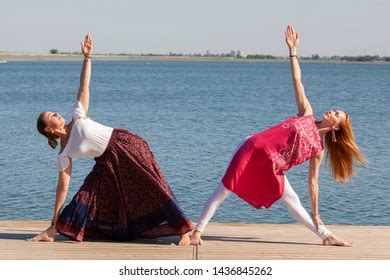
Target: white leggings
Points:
(289, 198)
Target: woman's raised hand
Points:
(292, 38)
(87, 45)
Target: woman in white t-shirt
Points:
(125, 196)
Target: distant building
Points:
(236, 54)
(241, 54)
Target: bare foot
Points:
(48, 235)
(185, 239)
(333, 240)
(195, 238)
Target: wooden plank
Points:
(221, 241)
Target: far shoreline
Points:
(10, 57)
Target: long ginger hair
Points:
(343, 152)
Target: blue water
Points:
(193, 114)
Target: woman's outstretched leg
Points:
(293, 204)
(212, 204)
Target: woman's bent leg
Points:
(293, 204)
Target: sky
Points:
(331, 27)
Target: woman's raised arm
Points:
(303, 105)
(85, 77)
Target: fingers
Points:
(196, 242)
(87, 44)
(318, 222)
(34, 239)
(287, 33)
(290, 31)
(88, 40)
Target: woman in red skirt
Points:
(125, 196)
(256, 171)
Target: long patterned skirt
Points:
(125, 197)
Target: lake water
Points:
(193, 114)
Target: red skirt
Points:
(256, 172)
(125, 197)
(251, 176)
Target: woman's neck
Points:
(322, 130)
(64, 132)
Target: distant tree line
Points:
(360, 58)
(56, 51)
(260, 56)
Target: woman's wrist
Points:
(54, 220)
(87, 57)
(293, 52)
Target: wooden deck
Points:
(221, 241)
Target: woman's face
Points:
(53, 120)
(333, 118)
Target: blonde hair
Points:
(51, 138)
(343, 153)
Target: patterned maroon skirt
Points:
(125, 197)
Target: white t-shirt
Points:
(87, 138)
